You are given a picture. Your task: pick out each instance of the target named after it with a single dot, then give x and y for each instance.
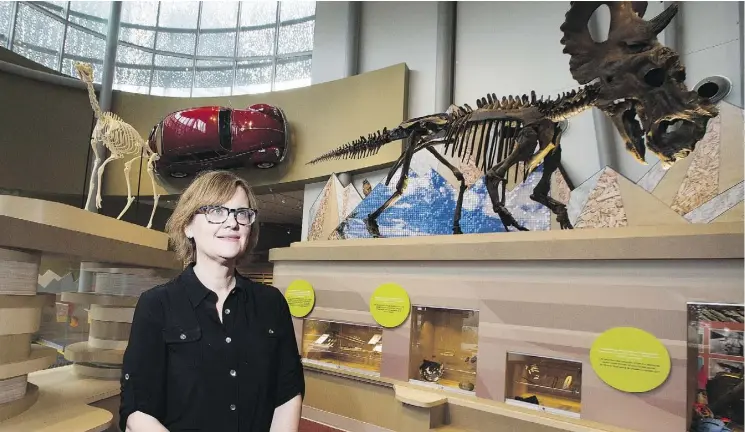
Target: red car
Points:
(212, 137)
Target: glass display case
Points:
(343, 345)
(715, 341)
(544, 383)
(444, 347)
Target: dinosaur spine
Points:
(364, 146)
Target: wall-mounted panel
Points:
(321, 117)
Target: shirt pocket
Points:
(184, 348)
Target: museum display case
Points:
(444, 347)
(715, 338)
(343, 345)
(544, 383)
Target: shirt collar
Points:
(196, 291)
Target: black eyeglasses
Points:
(219, 214)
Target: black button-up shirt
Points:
(192, 372)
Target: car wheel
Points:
(178, 174)
(265, 165)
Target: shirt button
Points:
(227, 311)
(183, 336)
(126, 376)
(233, 372)
(232, 407)
(227, 339)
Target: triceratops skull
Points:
(641, 82)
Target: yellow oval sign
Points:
(630, 359)
(300, 297)
(390, 305)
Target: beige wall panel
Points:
(45, 138)
(553, 308)
(322, 117)
(732, 149)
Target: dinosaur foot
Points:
(507, 219)
(457, 230)
(556, 207)
(372, 227)
(563, 218)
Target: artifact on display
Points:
(631, 77)
(121, 139)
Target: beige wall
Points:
(553, 308)
(321, 117)
(45, 136)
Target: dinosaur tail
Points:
(364, 146)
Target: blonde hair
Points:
(208, 188)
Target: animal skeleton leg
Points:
(100, 176)
(458, 175)
(541, 190)
(372, 220)
(96, 162)
(130, 198)
(153, 157)
(526, 143)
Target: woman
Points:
(212, 350)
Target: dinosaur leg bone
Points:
(96, 163)
(372, 220)
(459, 176)
(541, 190)
(524, 147)
(100, 175)
(153, 157)
(130, 198)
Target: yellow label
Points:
(630, 359)
(390, 305)
(300, 297)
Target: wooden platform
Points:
(59, 229)
(63, 403)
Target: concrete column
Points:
(104, 100)
(605, 135)
(445, 54)
(352, 39)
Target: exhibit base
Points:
(504, 330)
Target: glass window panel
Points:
(254, 13)
(143, 38)
(134, 56)
(296, 10)
(218, 15)
(81, 44)
(256, 42)
(253, 77)
(182, 43)
(140, 12)
(296, 38)
(293, 74)
(55, 7)
(132, 79)
(172, 83)
(169, 61)
(180, 14)
(89, 14)
(5, 9)
(43, 58)
(37, 29)
(68, 68)
(213, 78)
(217, 44)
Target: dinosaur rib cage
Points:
(123, 138)
(485, 144)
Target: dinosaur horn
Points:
(658, 23)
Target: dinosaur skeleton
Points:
(631, 77)
(121, 139)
